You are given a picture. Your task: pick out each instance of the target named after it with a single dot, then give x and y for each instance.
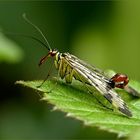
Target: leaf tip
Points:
(19, 82)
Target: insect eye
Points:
(53, 53)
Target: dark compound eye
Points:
(53, 52)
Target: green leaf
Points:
(9, 51)
(135, 135)
(79, 104)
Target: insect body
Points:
(69, 67)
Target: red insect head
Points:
(51, 53)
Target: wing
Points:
(98, 81)
(82, 63)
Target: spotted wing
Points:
(97, 71)
(98, 81)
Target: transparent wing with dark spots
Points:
(100, 83)
(80, 62)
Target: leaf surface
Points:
(78, 103)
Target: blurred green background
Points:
(103, 33)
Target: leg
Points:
(46, 77)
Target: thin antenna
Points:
(28, 36)
(28, 21)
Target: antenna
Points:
(28, 36)
(28, 21)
